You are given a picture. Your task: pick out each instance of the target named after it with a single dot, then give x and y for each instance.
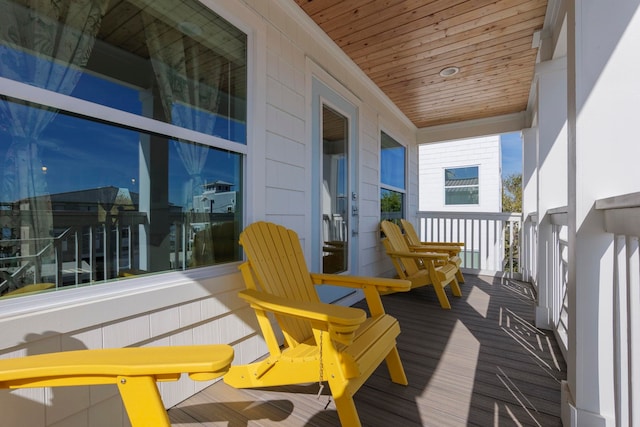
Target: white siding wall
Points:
(434, 158)
(201, 306)
(296, 50)
(603, 95)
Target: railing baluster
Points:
(92, 254)
(473, 243)
(78, 257)
(620, 331)
(633, 320)
(118, 243)
(510, 230)
(483, 235)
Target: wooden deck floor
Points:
(480, 364)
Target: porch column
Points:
(529, 204)
(552, 174)
(603, 95)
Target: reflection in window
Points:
(133, 56)
(392, 182)
(391, 205)
(84, 201)
(94, 215)
(461, 186)
(335, 203)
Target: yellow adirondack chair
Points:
(323, 342)
(134, 370)
(451, 248)
(437, 271)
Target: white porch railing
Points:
(622, 218)
(492, 240)
(529, 248)
(558, 265)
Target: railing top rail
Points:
(621, 214)
(559, 215)
(631, 200)
(558, 210)
(498, 216)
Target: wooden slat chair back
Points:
(395, 241)
(280, 270)
(420, 268)
(323, 342)
(451, 248)
(134, 370)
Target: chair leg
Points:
(442, 296)
(346, 408)
(142, 402)
(459, 276)
(455, 288)
(394, 364)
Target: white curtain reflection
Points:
(44, 44)
(189, 77)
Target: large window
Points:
(87, 195)
(461, 186)
(392, 178)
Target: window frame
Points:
(445, 186)
(170, 284)
(388, 187)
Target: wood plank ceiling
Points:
(402, 45)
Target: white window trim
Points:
(172, 287)
(444, 188)
(403, 191)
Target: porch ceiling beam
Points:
(472, 128)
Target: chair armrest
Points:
(432, 247)
(106, 366)
(382, 284)
(420, 255)
(341, 321)
(461, 244)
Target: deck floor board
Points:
(481, 363)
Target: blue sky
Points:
(511, 146)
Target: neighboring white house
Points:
(216, 197)
(463, 176)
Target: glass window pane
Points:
(391, 205)
(177, 62)
(392, 162)
(335, 202)
(461, 176)
(461, 186)
(84, 202)
(461, 196)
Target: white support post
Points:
(529, 204)
(551, 175)
(603, 91)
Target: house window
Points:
(461, 186)
(89, 193)
(392, 178)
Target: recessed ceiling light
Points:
(449, 71)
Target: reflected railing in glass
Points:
(87, 202)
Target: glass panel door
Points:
(334, 196)
(334, 191)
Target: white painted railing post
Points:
(484, 235)
(556, 288)
(622, 218)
